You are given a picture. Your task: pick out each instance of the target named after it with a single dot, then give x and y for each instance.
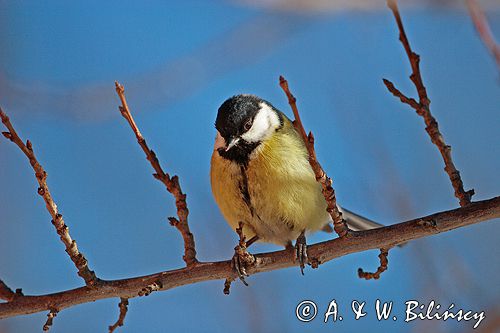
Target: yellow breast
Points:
(284, 194)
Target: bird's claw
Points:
(240, 261)
(301, 251)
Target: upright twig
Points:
(422, 108)
(483, 29)
(339, 224)
(43, 190)
(123, 305)
(171, 183)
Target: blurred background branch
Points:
(483, 29)
(56, 65)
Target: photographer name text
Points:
(307, 311)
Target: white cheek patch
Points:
(265, 123)
(219, 141)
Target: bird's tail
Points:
(355, 222)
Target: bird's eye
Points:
(248, 125)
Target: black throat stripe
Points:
(240, 153)
(244, 189)
(245, 193)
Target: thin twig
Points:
(171, 183)
(483, 29)
(423, 109)
(339, 224)
(396, 92)
(358, 241)
(43, 190)
(382, 268)
(5, 292)
(50, 319)
(123, 305)
(227, 286)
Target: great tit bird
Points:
(261, 176)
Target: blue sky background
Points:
(179, 61)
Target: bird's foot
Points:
(301, 251)
(241, 260)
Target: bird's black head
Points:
(236, 115)
(243, 121)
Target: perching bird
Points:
(261, 176)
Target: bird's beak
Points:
(232, 143)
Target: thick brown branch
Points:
(423, 109)
(123, 305)
(43, 190)
(171, 183)
(382, 268)
(483, 29)
(339, 224)
(147, 290)
(358, 241)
